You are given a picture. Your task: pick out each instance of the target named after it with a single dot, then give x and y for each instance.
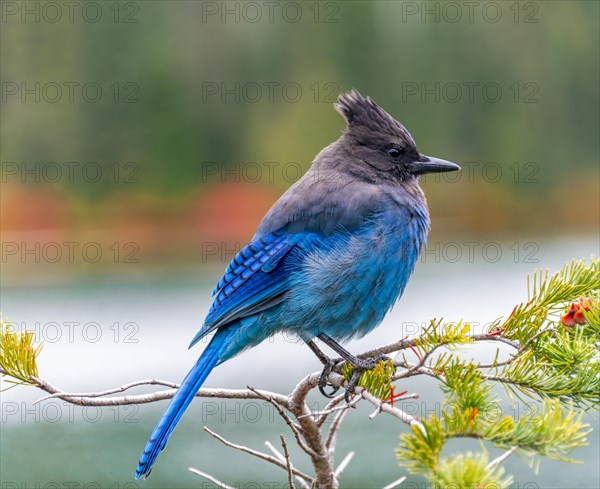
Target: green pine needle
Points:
(468, 471)
(549, 296)
(552, 432)
(377, 381)
(558, 363)
(420, 450)
(18, 354)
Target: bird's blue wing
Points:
(254, 280)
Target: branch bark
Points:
(306, 426)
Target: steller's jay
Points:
(329, 259)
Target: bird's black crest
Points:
(364, 112)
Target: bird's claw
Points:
(351, 386)
(358, 368)
(331, 394)
(323, 378)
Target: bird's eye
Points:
(394, 152)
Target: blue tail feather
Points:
(187, 390)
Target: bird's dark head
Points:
(380, 143)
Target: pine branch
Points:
(18, 355)
(555, 338)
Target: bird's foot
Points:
(329, 365)
(359, 365)
(367, 363)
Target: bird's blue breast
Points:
(349, 280)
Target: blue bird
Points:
(329, 259)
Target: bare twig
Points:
(115, 390)
(343, 464)
(404, 344)
(376, 412)
(281, 458)
(386, 408)
(418, 371)
(293, 426)
(519, 352)
(335, 426)
(323, 414)
(288, 463)
(209, 477)
(328, 409)
(263, 456)
(95, 398)
(499, 364)
(501, 339)
(396, 483)
(417, 368)
(501, 458)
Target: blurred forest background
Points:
(176, 124)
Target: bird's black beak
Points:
(429, 164)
